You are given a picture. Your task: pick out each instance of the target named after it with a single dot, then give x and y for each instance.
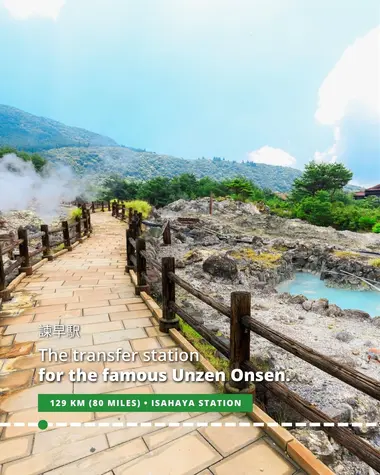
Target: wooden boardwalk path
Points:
(88, 286)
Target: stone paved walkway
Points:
(88, 287)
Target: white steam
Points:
(21, 188)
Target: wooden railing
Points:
(25, 252)
(238, 350)
(96, 205)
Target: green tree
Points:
(38, 161)
(329, 177)
(240, 187)
(156, 191)
(316, 209)
(118, 187)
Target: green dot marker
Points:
(43, 425)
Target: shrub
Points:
(376, 228)
(75, 213)
(139, 206)
(367, 222)
(375, 262)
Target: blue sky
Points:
(273, 81)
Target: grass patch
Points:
(265, 259)
(205, 349)
(346, 254)
(279, 247)
(374, 262)
(59, 248)
(208, 351)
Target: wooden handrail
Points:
(342, 372)
(56, 230)
(12, 246)
(239, 352)
(220, 307)
(9, 269)
(342, 435)
(356, 445)
(35, 235)
(36, 252)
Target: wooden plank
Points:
(224, 309)
(56, 230)
(188, 220)
(36, 252)
(354, 378)
(9, 269)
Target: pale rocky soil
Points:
(346, 338)
(29, 219)
(11, 221)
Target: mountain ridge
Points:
(140, 165)
(33, 133)
(87, 151)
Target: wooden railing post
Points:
(130, 251)
(240, 341)
(117, 210)
(46, 242)
(140, 218)
(140, 267)
(24, 251)
(130, 215)
(103, 206)
(2, 272)
(169, 318)
(133, 229)
(166, 235)
(66, 235)
(123, 212)
(78, 228)
(88, 214)
(85, 222)
(93, 207)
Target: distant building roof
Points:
(374, 188)
(360, 193)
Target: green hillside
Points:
(145, 165)
(86, 152)
(28, 132)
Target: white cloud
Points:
(23, 9)
(349, 102)
(272, 156)
(354, 79)
(331, 154)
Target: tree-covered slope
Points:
(26, 131)
(145, 165)
(86, 151)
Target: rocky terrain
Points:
(239, 248)
(29, 219)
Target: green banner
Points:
(145, 403)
